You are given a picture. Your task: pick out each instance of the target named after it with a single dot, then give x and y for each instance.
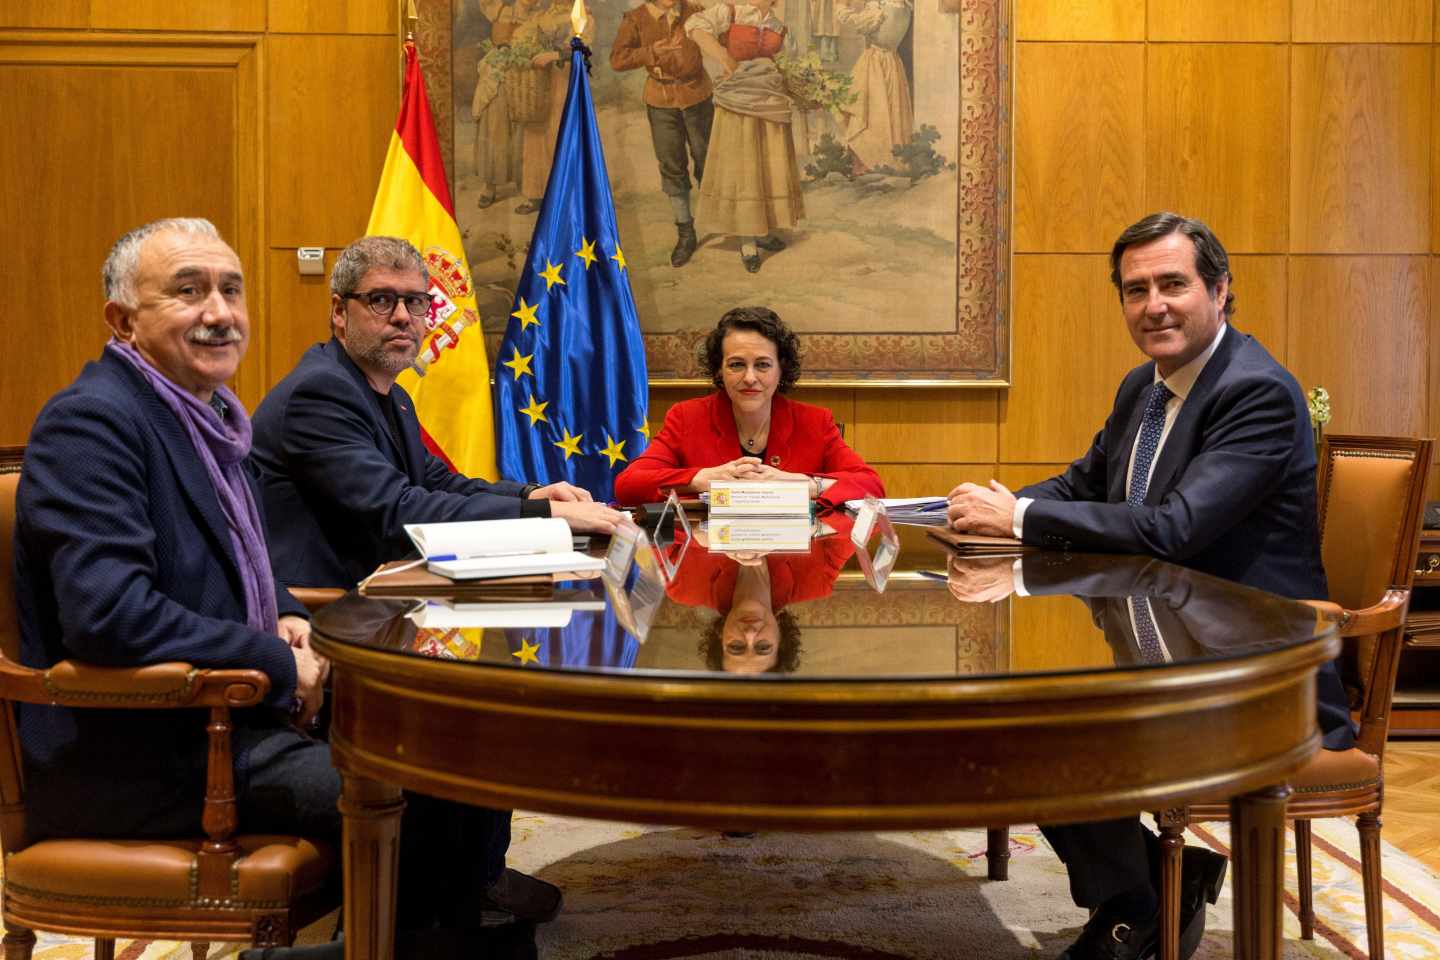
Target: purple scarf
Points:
(221, 446)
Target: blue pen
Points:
(441, 557)
(932, 507)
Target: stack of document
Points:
(478, 549)
(917, 511)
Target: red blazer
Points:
(707, 578)
(701, 433)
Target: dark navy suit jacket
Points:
(122, 557)
(1233, 490)
(339, 486)
(1232, 493)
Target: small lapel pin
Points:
(775, 460)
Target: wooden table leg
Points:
(997, 853)
(371, 809)
(1257, 848)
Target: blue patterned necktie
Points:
(1147, 634)
(1151, 428)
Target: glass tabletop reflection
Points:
(835, 603)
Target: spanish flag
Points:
(450, 379)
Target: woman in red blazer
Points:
(747, 430)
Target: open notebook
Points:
(479, 549)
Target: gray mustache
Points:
(214, 335)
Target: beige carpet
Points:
(640, 893)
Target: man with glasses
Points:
(341, 469)
(337, 446)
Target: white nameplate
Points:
(760, 533)
(752, 498)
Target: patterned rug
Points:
(642, 893)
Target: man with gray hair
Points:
(338, 449)
(139, 539)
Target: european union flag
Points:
(570, 380)
(592, 638)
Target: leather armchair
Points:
(1371, 499)
(1372, 492)
(221, 886)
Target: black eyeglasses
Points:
(382, 302)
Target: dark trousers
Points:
(1105, 858)
(679, 137)
(1109, 857)
(449, 852)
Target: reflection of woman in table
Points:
(752, 178)
(754, 632)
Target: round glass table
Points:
(825, 686)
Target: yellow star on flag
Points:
(528, 652)
(526, 314)
(615, 451)
(571, 445)
(535, 411)
(520, 365)
(619, 257)
(644, 428)
(587, 252)
(551, 273)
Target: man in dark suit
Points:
(139, 540)
(136, 542)
(1207, 460)
(338, 450)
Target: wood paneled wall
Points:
(269, 117)
(1302, 130)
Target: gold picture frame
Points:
(970, 349)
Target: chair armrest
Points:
(156, 686)
(316, 597)
(1388, 614)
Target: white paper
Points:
(759, 498)
(489, 538)
(516, 565)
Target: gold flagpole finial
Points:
(579, 18)
(411, 19)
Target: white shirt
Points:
(1179, 383)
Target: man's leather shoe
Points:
(518, 896)
(684, 243)
(1110, 936)
(751, 261)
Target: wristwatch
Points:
(528, 489)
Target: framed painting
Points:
(871, 210)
